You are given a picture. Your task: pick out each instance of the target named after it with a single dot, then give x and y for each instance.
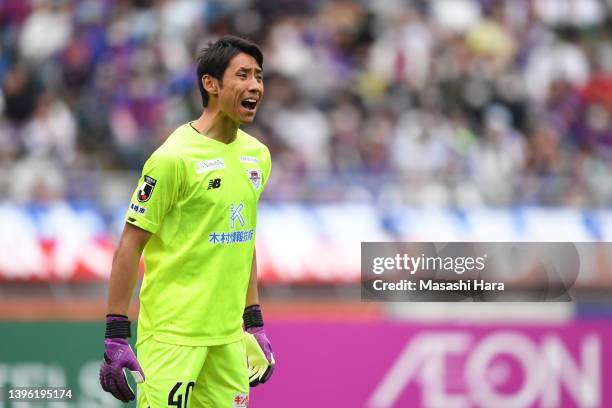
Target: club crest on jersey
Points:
(255, 177)
(146, 189)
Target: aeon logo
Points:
(503, 369)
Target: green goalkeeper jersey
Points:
(198, 197)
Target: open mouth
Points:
(249, 103)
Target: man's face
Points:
(242, 89)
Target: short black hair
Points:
(214, 59)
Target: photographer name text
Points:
(432, 285)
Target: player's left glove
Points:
(260, 358)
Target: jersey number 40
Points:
(177, 400)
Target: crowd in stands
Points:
(441, 102)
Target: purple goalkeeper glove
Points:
(118, 355)
(253, 324)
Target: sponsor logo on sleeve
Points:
(137, 208)
(255, 177)
(146, 189)
(209, 165)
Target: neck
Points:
(216, 125)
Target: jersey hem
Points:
(192, 342)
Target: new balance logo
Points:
(214, 183)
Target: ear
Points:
(211, 85)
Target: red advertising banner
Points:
(295, 243)
(385, 365)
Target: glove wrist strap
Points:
(252, 317)
(118, 329)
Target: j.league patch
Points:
(146, 189)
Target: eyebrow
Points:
(245, 69)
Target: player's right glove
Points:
(118, 355)
(260, 358)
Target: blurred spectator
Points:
(19, 96)
(45, 31)
(51, 132)
(36, 180)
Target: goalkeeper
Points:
(194, 215)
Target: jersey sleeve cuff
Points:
(142, 223)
